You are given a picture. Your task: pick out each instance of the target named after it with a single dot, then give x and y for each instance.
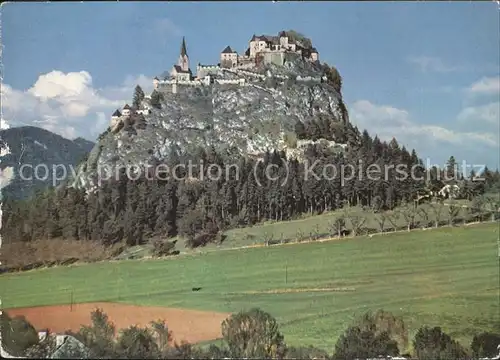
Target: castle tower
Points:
(183, 57)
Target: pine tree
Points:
(138, 97)
(156, 98)
(451, 171)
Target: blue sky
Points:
(426, 73)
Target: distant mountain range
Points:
(32, 146)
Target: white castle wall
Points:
(309, 78)
(180, 82)
(172, 85)
(208, 67)
(236, 81)
(202, 71)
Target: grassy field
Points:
(447, 277)
(291, 230)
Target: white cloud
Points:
(388, 122)
(58, 84)
(67, 103)
(489, 113)
(75, 109)
(101, 122)
(432, 64)
(54, 124)
(486, 85)
(141, 80)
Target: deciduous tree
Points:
(253, 334)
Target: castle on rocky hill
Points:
(263, 49)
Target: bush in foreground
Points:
(253, 334)
(434, 344)
(18, 335)
(485, 345)
(363, 343)
(247, 334)
(384, 321)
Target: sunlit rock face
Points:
(232, 118)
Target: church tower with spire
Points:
(183, 57)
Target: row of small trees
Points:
(248, 334)
(412, 215)
(406, 217)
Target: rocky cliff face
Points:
(235, 119)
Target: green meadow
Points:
(447, 277)
(305, 228)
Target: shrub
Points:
(163, 248)
(220, 237)
(137, 343)
(253, 334)
(162, 334)
(43, 252)
(268, 238)
(364, 342)
(337, 225)
(204, 238)
(296, 36)
(305, 353)
(18, 335)
(99, 336)
(156, 99)
(333, 77)
(290, 140)
(384, 321)
(214, 352)
(191, 223)
(434, 344)
(485, 345)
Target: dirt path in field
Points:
(186, 325)
(291, 291)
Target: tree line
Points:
(199, 208)
(247, 334)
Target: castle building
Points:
(181, 71)
(264, 49)
(314, 54)
(115, 118)
(261, 43)
(269, 46)
(228, 58)
(285, 44)
(203, 71)
(126, 110)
